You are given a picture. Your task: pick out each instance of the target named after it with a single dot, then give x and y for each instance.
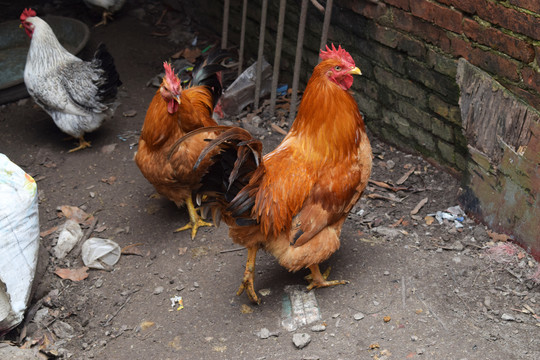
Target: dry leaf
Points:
(74, 213)
(110, 180)
(132, 250)
(246, 309)
(419, 206)
(72, 274)
(278, 129)
(182, 250)
(405, 177)
(48, 232)
(429, 220)
(145, 325)
(497, 237)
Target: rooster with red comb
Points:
(293, 201)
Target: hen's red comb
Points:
(27, 13)
(338, 54)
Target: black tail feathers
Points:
(108, 87)
(208, 72)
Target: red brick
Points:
(531, 99)
(531, 78)
(427, 31)
(386, 36)
(510, 19)
(533, 5)
(494, 64)
(498, 40)
(402, 4)
(459, 47)
(437, 14)
(369, 9)
(466, 5)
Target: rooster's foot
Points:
(195, 221)
(318, 280)
(247, 281)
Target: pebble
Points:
(264, 333)
(301, 340)
(386, 273)
(458, 246)
(507, 317)
(359, 316)
(414, 338)
(318, 328)
(158, 290)
(420, 351)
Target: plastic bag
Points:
(100, 253)
(19, 241)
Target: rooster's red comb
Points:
(338, 54)
(27, 13)
(171, 77)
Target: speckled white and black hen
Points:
(79, 95)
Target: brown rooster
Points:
(294, 201)
(174, 112)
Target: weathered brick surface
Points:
(498, 40)
(519, 22)
(468, 6)
(533, 5)
(437, 14)
(402, 4)
(531, 78)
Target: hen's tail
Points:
(208, 72)
(110, 81)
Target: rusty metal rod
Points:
(225, 29)
(260, 54)
(277, 55)
(242, 38)
(326, 23)
(298, 60)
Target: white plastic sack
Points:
(19, 241)
(100, 253)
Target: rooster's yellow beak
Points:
(355, 71)
(177, 99)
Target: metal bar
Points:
(277, 55)
(326, 23)
(225, 29)
(260, 54)
(242, 38)
(298, 60)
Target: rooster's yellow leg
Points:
(195, 220)
(83, 144)
(319, 280)
(247, 281)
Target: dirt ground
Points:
(418, 289)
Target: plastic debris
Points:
(178, 302)
(453, 213)
(100, 253)
(70, 235)
(299, 308)
(241, 92)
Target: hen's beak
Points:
(177, 99)
(355, 71)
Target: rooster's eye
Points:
(338, 68)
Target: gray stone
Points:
(301, 340)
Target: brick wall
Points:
(408, 51)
